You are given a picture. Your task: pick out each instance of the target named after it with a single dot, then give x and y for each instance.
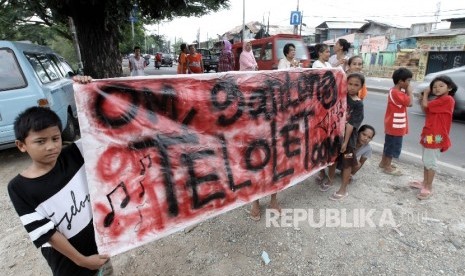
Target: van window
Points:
(300, 48)
(11, 76)
(257, 50)
(63, 67)
(43, 67)
(268, 55)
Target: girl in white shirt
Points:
(323, 53)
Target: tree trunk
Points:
(99, 44)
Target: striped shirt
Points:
(396, 119)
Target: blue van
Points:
(33, 75)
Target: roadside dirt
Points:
(429, 238)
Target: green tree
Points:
(99, 23)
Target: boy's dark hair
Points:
(365, 127)
(320, 48)
(36, 119)
(135, 48)
(358, 76)
(286, 48)
(401, 74)
(445, 79)
(344, 43)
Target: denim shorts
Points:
(392, 146)
(430, 158)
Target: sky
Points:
(398, 12)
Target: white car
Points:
(458, 76)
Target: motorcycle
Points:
(157, 64)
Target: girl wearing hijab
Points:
(247, 60)
(226, 58)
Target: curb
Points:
(409, 157)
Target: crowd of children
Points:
(42, 188)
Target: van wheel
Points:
(70, 130)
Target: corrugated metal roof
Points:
(442, 32)
(342, 24)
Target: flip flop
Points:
(395, 172)
(337, 197)
(325, 187)
(392, 165)
(252, 217)
(416, 184)
(424, 196)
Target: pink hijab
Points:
(227, 46)
(247, 60)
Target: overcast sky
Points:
(398, 12)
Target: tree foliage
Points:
(99, 23)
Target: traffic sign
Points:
(296, 17)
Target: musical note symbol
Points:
(141, 194)
(111, 216)
(142, 171)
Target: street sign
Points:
(296, 17)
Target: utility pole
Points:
(296, 26)
(76, 45)
(436, 15)
(243, 21)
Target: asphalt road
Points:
(375, 105)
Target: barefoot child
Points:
(435, 135)
(396, 120)
(347, 153)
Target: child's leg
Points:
(332, 172)
(387, 163)
(274, 202)
(345, 181)
(430, 157)
(326, 184)
(255, 211)
(428, 181)
(321, 176)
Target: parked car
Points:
(33, 75)
(458, 76)
(210, 60)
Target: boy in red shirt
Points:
(395, 120)
(435, 135)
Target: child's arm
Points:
(62, 245)
(409, 91)
(424, 99)
(359, 165)
(347, 133)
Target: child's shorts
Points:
(392, 146)
(348, 159)
(430, 158)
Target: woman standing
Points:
(226, 58)
(247, 60)
(182, 60)
(340, 58)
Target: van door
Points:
(15, 94)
